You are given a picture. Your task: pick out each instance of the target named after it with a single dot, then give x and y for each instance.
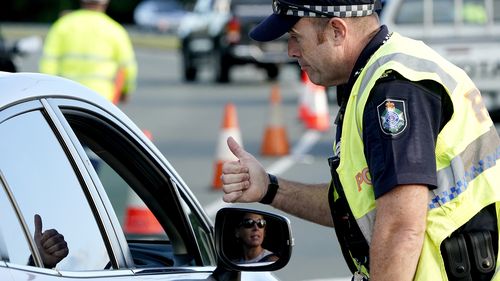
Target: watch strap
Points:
(272, 189)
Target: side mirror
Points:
(240, 232)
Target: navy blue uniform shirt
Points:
(401, 122)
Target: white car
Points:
(80, 164)
(160, 15)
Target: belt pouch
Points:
(482, 255)
(456, 258)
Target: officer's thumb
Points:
(235, 148)
(38, 225)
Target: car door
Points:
(161, 222)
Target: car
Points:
(78, 162)
(466, 32)
(159, 15)
(215, 34)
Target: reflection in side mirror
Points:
(252, 240)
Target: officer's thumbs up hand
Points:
(244, 180)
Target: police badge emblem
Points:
(392, 117)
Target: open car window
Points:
(141, 193)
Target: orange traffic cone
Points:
(148, 134)
(317, 117)
(229, 128)
(275, 141)
(119, 84)
(139, 220)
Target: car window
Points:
(136, 219)
(43, 181)
(443, 12)
(496, 11)
(203, 235)
(141, 193)
(203, 6)
(410, 12)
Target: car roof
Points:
(24, 86)
(17, 87)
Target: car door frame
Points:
(58, 105)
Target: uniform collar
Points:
(378, 40)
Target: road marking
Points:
(299, 152)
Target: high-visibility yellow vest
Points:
(467, 150)
(91, 48)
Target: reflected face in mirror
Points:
(251, 230)
(252, 240)
(250, 234)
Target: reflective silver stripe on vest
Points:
(366, 224)
(412, 62)
(479, 156)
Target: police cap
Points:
(287, 12)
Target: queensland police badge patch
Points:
(392, 116)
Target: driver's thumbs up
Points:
(38, 227)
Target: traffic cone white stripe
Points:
(222, 153)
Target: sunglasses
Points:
(283, 7)
(249, 223)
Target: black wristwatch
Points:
(272, 188)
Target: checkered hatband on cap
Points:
(345, 11)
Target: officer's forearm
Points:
(306, 201)
(398, 233)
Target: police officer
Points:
(415, 157)
(89, 47)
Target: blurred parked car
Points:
(216, 34)
(75, 159)
(10, 51)
(467, 32)
(159, 15)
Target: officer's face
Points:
(319, 51)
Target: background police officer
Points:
(89, 47)
(415, 156)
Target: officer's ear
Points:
(339, 29)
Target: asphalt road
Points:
(185, 121)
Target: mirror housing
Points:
(277, 239)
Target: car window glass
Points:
(136, 219)
(139, 190)
(410, 12)
(496, 11)
(18, 251)
(443, 11)
(43, 182)
(203, 6)
(202, 236)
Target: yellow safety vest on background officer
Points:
(91, 48)
(467, 150)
